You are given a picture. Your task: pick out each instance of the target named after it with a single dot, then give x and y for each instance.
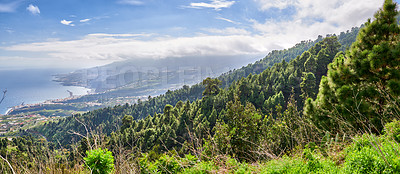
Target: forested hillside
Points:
(241, 106)
(109, 119)
(260, 117)
(323, 111)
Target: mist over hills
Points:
(153, 73)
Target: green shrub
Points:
(203, 167)
(100, 161)
(165, 164)
(221, 164)
(392, 130)
(284, 165)
(189, 160)
(312, 161)
(168, 164)
(372, 154)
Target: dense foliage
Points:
(360, 157)
(99, 161)
(234, 115)
(109, 119)
(362, 88)
(257, 123)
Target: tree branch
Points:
(4, 96)
(12, 170)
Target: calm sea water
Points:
(32, 86)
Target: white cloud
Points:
(33, 9)
(333, 17)
(85, 20)
(228, 31)
(215, 4)
(315, 17)
(130, 2)
(312, 18)
(280, 4)
(115, 47)
(22, 62)
(9, 7)
(8, 30)
(117, 35)
(228, 20)
(65, 22)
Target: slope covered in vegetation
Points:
(349, 123)
(357, 98)
(241, 106)
(109, 119)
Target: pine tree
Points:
(326, 53)
(211, 86)
(167, 113)
(310, 65)
(127, 121)
(273, 101)
(240, 136)
(308, 85)
(362, 84)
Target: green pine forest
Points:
(325, 106)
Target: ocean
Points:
(33, 86)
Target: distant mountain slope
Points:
(141, 74)
(149, 77)
(227, 77)
(109, 119)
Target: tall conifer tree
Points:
(362, 85)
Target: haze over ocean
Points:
(33, 86)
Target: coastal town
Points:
(24, 116)
(47, 102)
(10, 123)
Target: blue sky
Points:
(85, 33)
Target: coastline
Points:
(55, 100)
(46, 102)
(31, 86)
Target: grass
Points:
(365, 154)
